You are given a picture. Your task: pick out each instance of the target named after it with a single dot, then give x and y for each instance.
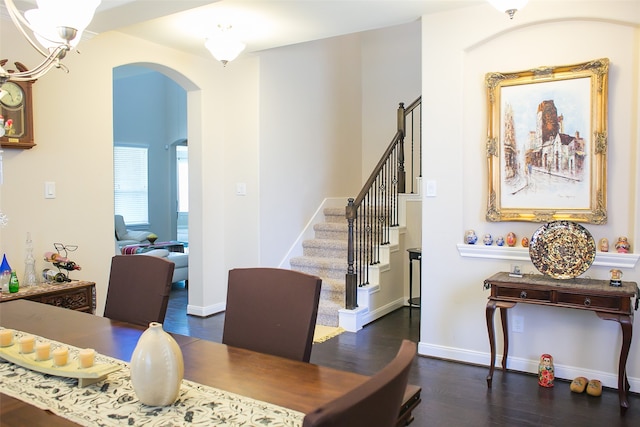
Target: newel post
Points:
(401, 130)
(351, 295)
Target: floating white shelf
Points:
(604, 259)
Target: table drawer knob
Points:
(587, 302)
(523, 294)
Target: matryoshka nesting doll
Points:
(545, 371)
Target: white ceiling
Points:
(261, 24)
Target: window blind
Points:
(131, 183)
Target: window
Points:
(130, 187)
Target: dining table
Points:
(295, 385)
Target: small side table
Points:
(414, 254)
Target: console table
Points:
(75, 295)
(606, 301)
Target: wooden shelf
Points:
(603, 259)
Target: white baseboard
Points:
(201, 311)
(565, 372)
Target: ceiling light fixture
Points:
(510, 7)
(57, 25)
(224, 45)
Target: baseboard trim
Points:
(209, 310)
(565, 372)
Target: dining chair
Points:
(272, 310)
(375, 403)
(139, 288)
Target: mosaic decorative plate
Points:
(562, 249)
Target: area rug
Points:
(323, 333)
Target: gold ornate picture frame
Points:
(547, 143)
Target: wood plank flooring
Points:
(453, 394)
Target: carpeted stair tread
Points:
(325, 248)
(335, 215)
(331, 268)
(331, 230)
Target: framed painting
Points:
(547, 143)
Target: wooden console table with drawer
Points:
(75, 295)
(606, 301)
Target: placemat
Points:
(113, 402)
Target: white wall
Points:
(391, 73)
(459, 47)
(310, 114)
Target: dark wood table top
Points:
(292, 384)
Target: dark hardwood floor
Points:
(453, 394)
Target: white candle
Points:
(43, 350)
(60, 356)
(6, 337)
(86, 357)
(26, 344)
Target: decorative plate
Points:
(562, 249)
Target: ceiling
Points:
(261, 24)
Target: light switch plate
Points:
(49, 190)
(432, 188)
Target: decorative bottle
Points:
(30, 278)
(14, 285)
(157, 367)
(5, 274)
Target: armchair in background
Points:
(126, 237)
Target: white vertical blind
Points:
(131, 183)
(182, 157)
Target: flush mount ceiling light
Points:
(510, 7)
(224, 45)
(57, 25)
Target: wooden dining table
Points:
(288, 383)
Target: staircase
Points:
(325, 256)
(354, 249)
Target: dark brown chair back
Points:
(376, 403)
(272, 310)
(139, 288)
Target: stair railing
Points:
(371, 214)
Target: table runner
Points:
(112, 402)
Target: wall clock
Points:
(16, 111)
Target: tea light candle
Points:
(6, 337)
(60, 356)
(86, 357)
(26, 344)
(43, 350)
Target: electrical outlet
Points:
(517, 324)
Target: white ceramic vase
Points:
(157, 367)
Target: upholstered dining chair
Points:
(272, 310)
(375, 403)
(139, 288)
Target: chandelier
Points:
(224, 45)
(510, 7)
(57, 25)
